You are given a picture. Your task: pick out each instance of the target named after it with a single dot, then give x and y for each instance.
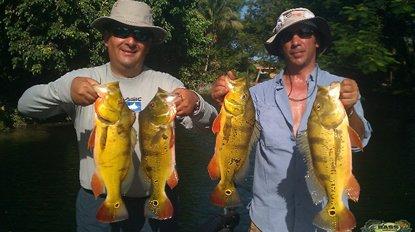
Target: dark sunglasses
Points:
(124, 32)
(304, 32)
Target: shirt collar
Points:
(312, 78)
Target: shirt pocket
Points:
(274, 128)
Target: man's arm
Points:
(196, 114)
(350, 97)
(60, 96)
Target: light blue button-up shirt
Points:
(281, 201)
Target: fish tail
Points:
(225, 196)
(112, 212)
(159, 208)
(332, 220)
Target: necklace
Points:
(301, 99)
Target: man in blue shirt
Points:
(281, 201)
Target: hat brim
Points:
(272, 46)
(159, 34)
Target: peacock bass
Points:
(157, 144)
(327, 146)
(233, 128)
(112, 141)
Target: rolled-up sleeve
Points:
(202, 119)
(368, 129)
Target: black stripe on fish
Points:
(319, 159)
(324, 177)
(103, 138)
(316, 140)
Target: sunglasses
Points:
(124, 32)
(304, 32)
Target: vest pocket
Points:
(274, 128)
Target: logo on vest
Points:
(134, 103)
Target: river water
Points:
(39, 174)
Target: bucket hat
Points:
(131, 13)
(295, 16)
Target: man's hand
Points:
(82, 92)
(185, 101)
(349, 94)
(220, 87)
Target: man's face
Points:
(299, 45)
(127, 48)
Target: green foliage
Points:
(259, 20)
(192, 74)
(10, 118)
(42, 39)
(371, 37)
(223, 51)
(358, 40)
(51, 37)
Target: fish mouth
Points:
(101, 90)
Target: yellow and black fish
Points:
(112, 140)
(327, 145)
(233, 128)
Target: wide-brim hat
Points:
(296, 16)
(131, 13)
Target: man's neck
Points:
(299, 72)
(126, 72)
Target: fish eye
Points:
(152, 105)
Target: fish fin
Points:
(216, 124)
(91, 140)
(355, 138)
(159, 207)
(172, 141)
(173, 179)
(332, 220)
(156, 137)
(314, 186)
(97, 185)
(353, 189)
(239, 177)
(225, 197)
(213, 167)
(112, 212)
(160, 134)
(304, 148)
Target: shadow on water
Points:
(39, 179)
(39, 173)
